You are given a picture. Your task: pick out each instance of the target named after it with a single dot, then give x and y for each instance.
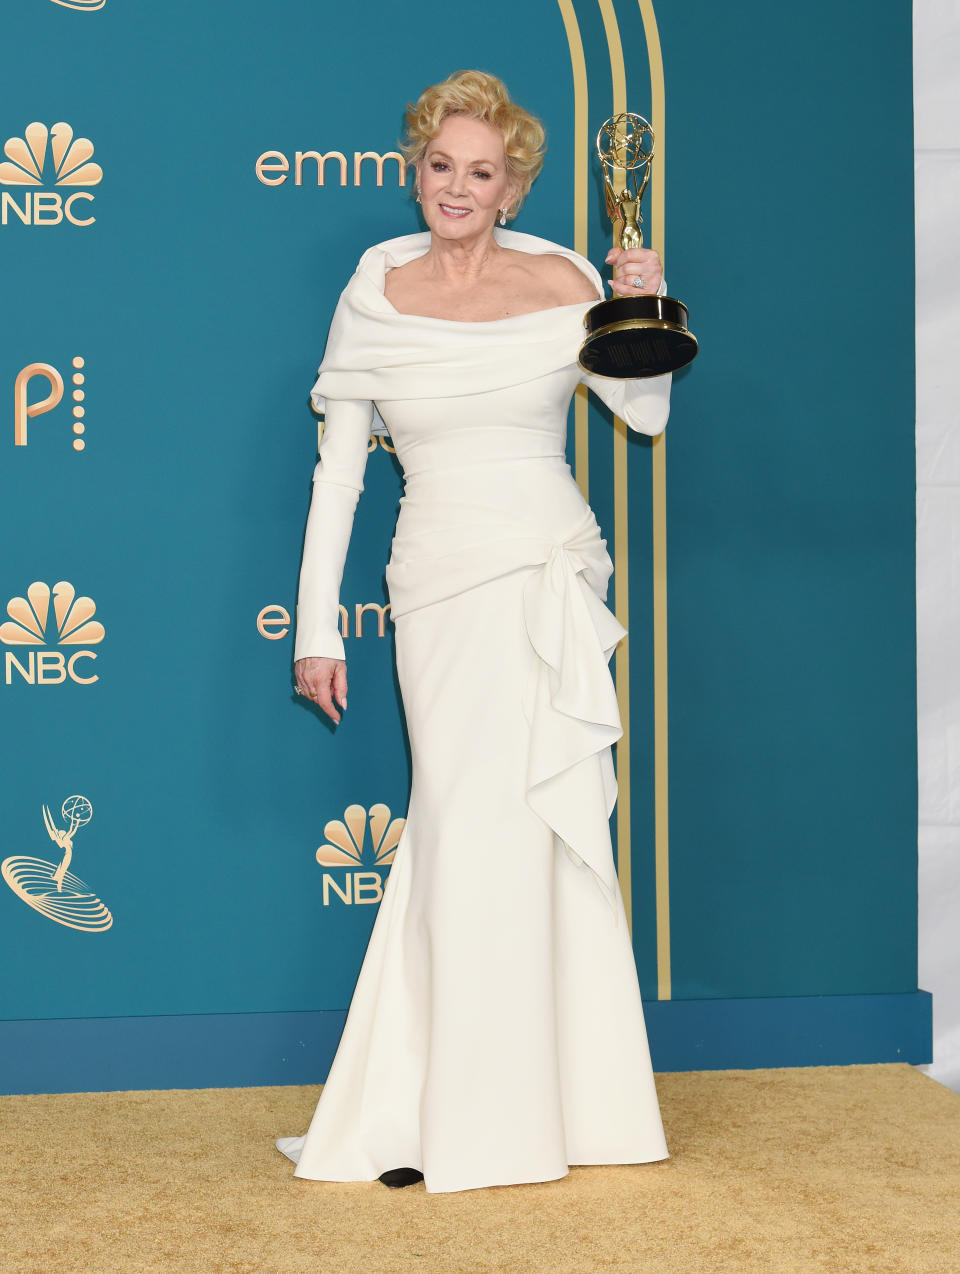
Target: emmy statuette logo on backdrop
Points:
(51, 888)
(69, 164)
(72, 623)
(629, 337)
(345, 846)
(24, 410)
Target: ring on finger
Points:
(638, 281)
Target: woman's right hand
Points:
(321, 680)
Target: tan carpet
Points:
(852, 1169)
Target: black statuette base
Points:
(632, 337)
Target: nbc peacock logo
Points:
(346, 845)
(51, 888)
(47, 157)
(70, 624)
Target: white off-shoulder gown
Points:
(496, 1033)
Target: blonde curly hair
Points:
(479, 95)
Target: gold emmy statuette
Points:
(629, 337)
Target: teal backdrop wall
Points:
(178, 278)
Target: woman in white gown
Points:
(496, 1033)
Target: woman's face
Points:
(463, 179)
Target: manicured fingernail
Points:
(344, 700)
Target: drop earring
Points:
(418, 194)
(503, 216)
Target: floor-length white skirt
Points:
(496, 1034)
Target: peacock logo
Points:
(51, 888)
(71, 624)
(346, 845)
(70, 156)
(47, 157)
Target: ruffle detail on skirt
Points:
(571, 704)
(569, 699)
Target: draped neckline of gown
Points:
(410, 249)
(374, 351)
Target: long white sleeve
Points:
(337, 484)
(644, 405)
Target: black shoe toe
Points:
(397, 1177)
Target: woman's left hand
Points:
(632, 263)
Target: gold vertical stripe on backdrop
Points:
(581, 159)
(658, 109)
(583, 153)
(621, 527)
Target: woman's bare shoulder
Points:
(409, 270)
(566, 281)
(401, 280)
